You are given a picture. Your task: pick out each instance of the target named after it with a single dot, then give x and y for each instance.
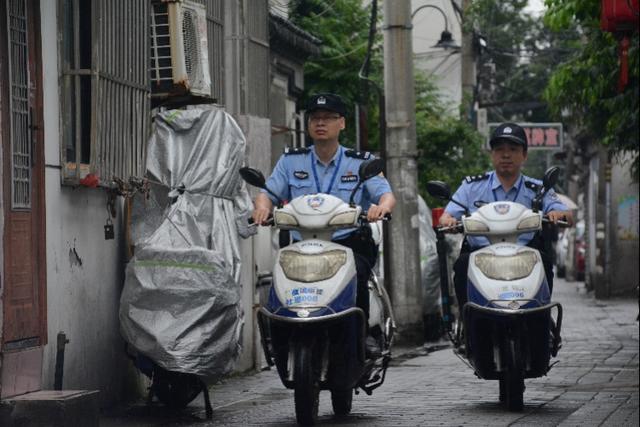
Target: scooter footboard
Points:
(491, 332)
(338, 338)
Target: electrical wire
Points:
(343, 55)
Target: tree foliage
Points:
(343, 28)
(450, 148)
(584, 86)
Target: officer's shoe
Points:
(372, 347)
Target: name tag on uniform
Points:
(349, 178)
(301, 174)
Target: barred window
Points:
(104, 87)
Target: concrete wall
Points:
(84, 272)
(257, 253)
(624, 228)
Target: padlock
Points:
(109, 234)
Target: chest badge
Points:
(349, 177)
(301, 174)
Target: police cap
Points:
(326, 101)
(509, 132)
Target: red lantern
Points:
(621, 17)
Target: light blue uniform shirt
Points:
(487, 188)
(298, 174)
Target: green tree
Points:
(343, 28)
(584, 87)
(450, 148)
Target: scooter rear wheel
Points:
(306, 389)
(175, 389)
(341, 400)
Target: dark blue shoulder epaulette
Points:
(476, 178)
(300, 150)
(364, 155)
(531, 185)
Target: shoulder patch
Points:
(531, 185)
(476, 178)
(290, 151)
(363, 155)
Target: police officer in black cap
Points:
(505, 183)
(329, 167)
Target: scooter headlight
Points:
(282, 218)
(344, 218)
(312, 267)
(531, 223)
(506, 267)
(473, 226)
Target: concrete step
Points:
(65, 408)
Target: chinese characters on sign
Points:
(539, 135)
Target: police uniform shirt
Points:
(299, 172)
(487, 188)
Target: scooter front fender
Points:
(483, 322)
(276, 332)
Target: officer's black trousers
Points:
(461, 266)
(365, 252)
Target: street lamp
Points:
(446, 39)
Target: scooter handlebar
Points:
(559, 223)
(457, 228)
(269, 221)
(363, 217)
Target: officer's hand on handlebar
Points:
(261, 215)
(447, 220)
(555, 216)
(377, 212)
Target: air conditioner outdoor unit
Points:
(179, 55)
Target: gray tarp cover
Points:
(181, 300)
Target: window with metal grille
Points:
(104, 88)
(20, 114)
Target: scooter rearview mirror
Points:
(253, 177)
(370, 168)
(439, 190)
(550, 177)
(367, 170)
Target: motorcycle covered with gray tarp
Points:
(180, 308)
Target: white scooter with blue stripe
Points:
(508, 333)
(311, 328)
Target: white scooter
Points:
(311, 328)
(507, 332)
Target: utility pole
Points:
(468, 66)
(402, 249)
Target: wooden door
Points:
(23, 284)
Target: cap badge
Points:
(321, 100)
(507, 130)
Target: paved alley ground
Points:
(594, 383)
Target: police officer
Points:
(506, 183)
(328, 167)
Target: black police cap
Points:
(509, 132)
(327, 101)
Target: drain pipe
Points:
(61, 343)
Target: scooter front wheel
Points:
(512, 384)
(306, 388)
(341, 400)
